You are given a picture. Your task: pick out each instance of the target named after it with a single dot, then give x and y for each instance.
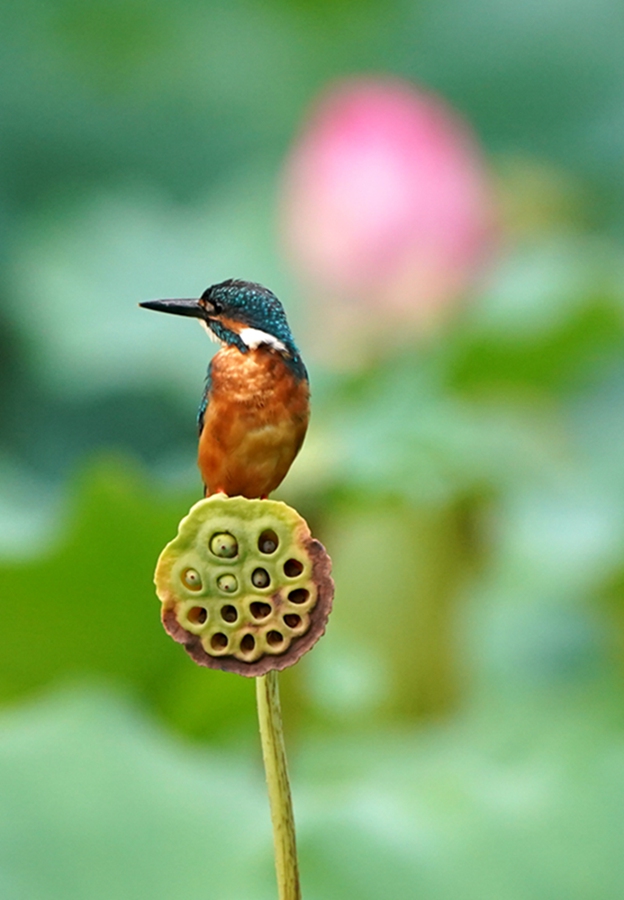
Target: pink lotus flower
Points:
(387, 202)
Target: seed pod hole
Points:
(224, 545)
(260, 578)
(192, 579)
(268, 542)
(292, 568)
(247, 643)
(219, 641)
(229, 613)
(197, 615)
(274, 638)
(227, 583)
(260, 610)
(292, 620)
(299, 595)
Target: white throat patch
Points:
(251, 337)
(254, 337)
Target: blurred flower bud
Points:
(388, 208)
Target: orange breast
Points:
(255, 422)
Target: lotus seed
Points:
(260, 578)
(192, 579)
(247, 643)
(224, 545)
(292, 568)
(274, 638)
(197, 615)
(219, 641)
(227, 583)
(260, 610)
(268, 542)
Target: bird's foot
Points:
(209, 493)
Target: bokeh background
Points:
(435, 189)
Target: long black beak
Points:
(177, 307)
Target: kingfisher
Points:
(255, 409)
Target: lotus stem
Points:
(280, 800)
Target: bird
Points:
(255, 408)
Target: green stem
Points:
(274, 754)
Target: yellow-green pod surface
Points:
(244, 586)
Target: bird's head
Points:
(237, 313)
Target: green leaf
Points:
(89, 607)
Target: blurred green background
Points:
(458, 733)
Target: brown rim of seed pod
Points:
(321, 576)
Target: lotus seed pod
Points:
(277, 578)
(224, 545)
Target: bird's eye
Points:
(212, 307)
